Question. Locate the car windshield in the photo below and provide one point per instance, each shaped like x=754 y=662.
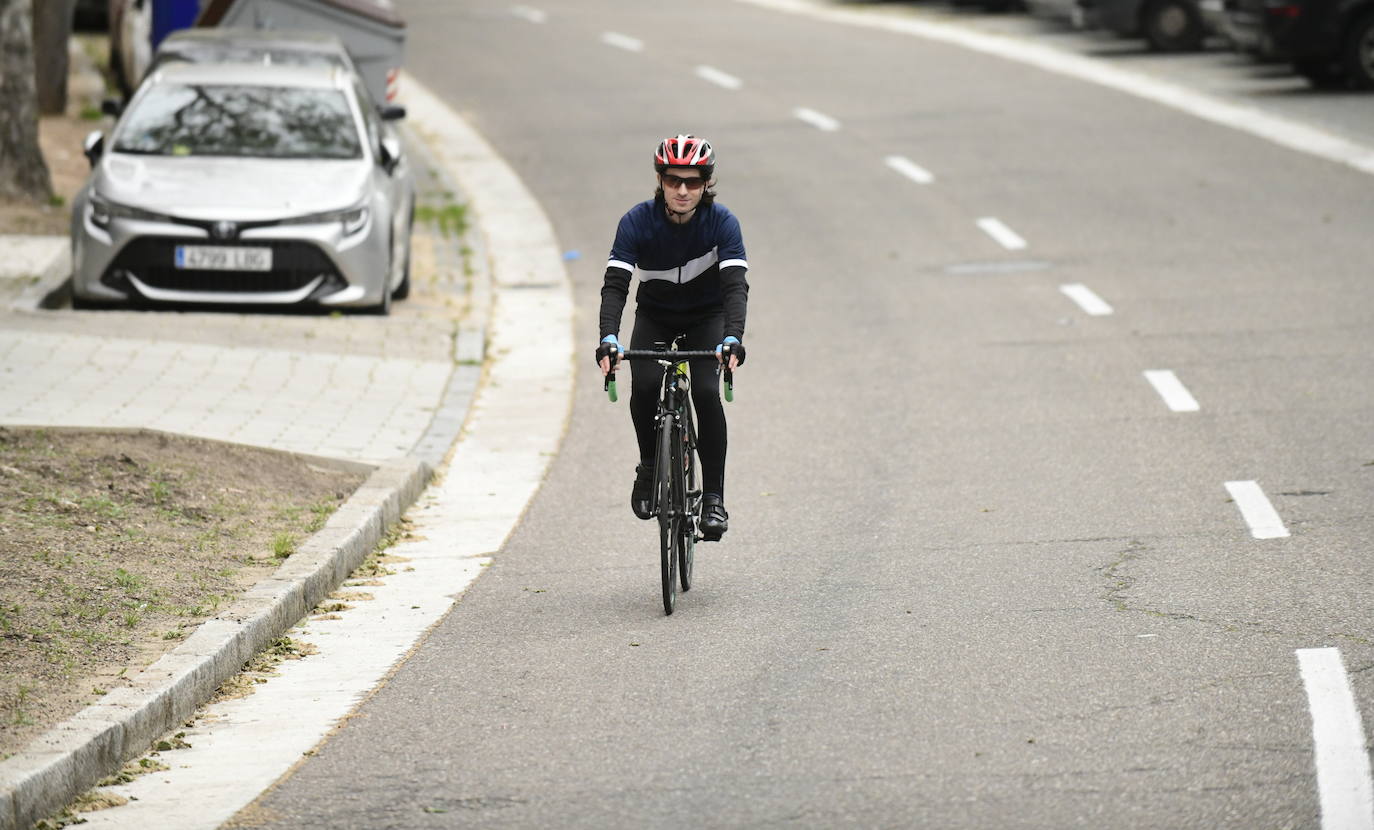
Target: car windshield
x=255 y=121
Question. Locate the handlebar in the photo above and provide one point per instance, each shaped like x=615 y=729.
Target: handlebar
x=672 y=357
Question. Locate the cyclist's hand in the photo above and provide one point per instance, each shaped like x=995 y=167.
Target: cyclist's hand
x=736 y=350
x=608 y=353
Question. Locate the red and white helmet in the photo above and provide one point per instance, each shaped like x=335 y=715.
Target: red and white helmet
x=685 y=151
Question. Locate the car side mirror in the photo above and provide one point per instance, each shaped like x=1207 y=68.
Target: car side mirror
x=391 y=153
x=391 y=112
x=111 y=106
x=94 y=146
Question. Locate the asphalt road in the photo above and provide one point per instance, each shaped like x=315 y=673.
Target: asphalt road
x=979 y=573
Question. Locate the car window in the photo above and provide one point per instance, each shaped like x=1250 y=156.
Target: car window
x=223 y=120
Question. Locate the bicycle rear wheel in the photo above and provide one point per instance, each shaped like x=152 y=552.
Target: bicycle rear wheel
x=668 y=516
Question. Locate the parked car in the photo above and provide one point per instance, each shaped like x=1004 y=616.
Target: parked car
x=1329 y=42
x=1058 y=10
x=245 y=184
x=131 y=45
x=1167 y=25
x=264 y=46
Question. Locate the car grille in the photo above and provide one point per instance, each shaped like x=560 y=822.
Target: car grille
x=152 y=260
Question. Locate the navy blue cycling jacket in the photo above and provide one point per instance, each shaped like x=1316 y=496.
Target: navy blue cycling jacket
x=698 y=266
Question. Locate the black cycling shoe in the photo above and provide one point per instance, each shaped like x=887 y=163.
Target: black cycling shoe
x=714 y=520
x=641 y=494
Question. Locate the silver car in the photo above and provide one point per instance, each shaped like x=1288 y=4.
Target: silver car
x=245 y=185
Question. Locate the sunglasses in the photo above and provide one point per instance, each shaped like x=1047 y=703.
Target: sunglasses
x=674 y=182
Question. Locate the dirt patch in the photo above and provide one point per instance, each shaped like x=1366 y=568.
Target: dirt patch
x=114 y=546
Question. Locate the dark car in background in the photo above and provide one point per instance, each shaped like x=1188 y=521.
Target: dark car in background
x=1168 y=25
x=1329 y=42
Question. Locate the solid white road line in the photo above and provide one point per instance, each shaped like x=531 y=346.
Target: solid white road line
x=1005 y=236
x=1086 y=299
x=530 y=14
x=719 y=78
x=629 y=44
x=818 y=120
x=910 y=169
x=1343 y=779
x=1255 y=508
x=1241 y=116
x=1172 y=390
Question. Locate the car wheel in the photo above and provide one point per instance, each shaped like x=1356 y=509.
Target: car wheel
x=1173 y=26
x=403 y=290
x=1359 y=53
x=383 y=308
x=1320 y=73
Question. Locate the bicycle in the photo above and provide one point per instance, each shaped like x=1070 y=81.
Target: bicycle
x=676 y=497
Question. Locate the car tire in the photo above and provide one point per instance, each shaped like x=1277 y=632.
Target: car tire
x=1173 y=26
x=1359 y=53
x=403 y=290
x=1321 y=73
x=383 y=308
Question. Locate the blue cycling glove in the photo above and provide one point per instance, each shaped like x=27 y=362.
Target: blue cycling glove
x=736 y=348
x=609 y=343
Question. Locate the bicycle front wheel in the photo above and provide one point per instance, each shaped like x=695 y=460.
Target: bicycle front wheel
x=691 y=505
x=668 y=516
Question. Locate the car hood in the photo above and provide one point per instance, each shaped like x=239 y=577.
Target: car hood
x=243 y=190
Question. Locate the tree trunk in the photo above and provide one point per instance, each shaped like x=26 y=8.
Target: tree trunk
x=52 y=29
x=23 y=173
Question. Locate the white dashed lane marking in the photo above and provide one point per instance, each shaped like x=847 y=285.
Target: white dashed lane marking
x=1176 y=396
x=819 y=120
x=1086 y=299
x=1005 y=236
x=1255 y=509
x=719 y=78
x=910 y=169
x=619 y=41
x=1338 y=742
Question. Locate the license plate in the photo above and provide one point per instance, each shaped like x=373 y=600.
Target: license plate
x=223 y=258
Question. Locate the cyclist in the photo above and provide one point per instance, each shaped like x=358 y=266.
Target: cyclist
x=690 y=257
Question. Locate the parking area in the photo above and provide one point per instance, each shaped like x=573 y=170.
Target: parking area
x=1216 y=68
x=342 y=385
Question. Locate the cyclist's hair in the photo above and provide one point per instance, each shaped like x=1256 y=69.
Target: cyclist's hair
x=708 y=195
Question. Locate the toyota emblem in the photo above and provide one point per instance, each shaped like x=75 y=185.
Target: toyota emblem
x=224 y=230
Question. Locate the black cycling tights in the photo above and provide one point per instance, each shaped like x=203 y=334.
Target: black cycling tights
x=699 y=330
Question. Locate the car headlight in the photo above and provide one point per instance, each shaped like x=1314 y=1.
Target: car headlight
x=353 y=219
x=103 y=211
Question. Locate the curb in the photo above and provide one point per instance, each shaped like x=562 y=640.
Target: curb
x=70 y=758
x=51 y=284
